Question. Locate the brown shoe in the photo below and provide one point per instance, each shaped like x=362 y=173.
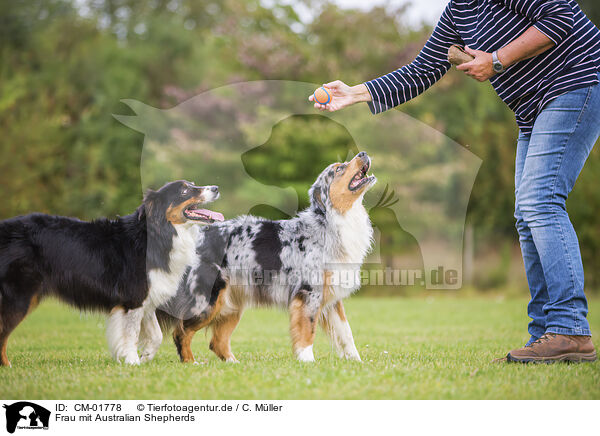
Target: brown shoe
x=552 y=347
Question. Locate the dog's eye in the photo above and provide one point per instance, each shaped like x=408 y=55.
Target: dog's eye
x=340 y=169
x=185 y=191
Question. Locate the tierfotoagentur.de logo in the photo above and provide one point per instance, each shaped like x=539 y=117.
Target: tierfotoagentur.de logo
x=24 y=415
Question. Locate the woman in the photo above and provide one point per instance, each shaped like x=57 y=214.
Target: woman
x=543 y=59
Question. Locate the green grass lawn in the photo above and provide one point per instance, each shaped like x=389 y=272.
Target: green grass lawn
x=435 y=348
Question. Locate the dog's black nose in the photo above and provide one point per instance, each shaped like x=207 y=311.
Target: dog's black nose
x=214 y=188
x=362 y=154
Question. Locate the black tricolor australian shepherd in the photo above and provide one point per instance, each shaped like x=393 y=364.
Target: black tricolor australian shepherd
x=307 y=264
x=127 y=266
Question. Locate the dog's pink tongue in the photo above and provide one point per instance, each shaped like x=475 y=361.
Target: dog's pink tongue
x=216 y=216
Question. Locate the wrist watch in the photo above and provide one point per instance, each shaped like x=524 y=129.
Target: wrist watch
x=496 y=64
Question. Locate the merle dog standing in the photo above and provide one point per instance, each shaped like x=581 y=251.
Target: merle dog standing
x=294 y=264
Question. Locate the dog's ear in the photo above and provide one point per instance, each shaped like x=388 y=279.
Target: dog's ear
x=159 y=230
x=317 y=200
x=155 y=208
x=149 y=200
x=150 y=195
x=141 y=212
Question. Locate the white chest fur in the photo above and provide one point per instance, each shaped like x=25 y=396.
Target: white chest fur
x=164 y=284
x=352 y=242
x=354 y=233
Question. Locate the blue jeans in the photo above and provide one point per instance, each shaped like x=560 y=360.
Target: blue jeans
x=548 y=162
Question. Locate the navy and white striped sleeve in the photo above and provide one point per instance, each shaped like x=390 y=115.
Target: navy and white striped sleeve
x=428 y=67
x=554 y=18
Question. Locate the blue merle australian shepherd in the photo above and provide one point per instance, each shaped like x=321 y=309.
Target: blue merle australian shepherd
x=127 y=267
x=294 y=264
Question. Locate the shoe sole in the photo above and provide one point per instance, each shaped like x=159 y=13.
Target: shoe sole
x=568 y=357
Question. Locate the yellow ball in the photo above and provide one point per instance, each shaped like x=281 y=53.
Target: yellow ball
x=322 y=96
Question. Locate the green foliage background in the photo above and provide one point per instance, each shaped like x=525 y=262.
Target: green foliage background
x=65 y=65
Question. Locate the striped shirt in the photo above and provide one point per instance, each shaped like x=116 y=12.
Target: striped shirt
x=488 y=25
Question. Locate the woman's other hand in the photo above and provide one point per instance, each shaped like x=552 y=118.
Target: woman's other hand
x=342 y=96
x=481 y=68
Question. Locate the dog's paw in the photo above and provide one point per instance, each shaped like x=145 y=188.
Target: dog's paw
x=305 y=354
x=352 y=355
x=146 y=358
x=132 y=360
x=232 y=359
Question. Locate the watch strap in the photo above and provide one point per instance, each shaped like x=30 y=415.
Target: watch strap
x=497 y=65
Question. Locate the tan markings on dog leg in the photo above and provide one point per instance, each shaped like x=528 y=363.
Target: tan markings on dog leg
x=339 y=308
x=302 y=330
x=329 y=317
x=8 y=325
x=327 y=288
x=325 y=323
x=175 y=215
x=336 y=326
x=183 y=344
x=190 y=327
x=3 y=355
x=220 y=343
x=35 y=301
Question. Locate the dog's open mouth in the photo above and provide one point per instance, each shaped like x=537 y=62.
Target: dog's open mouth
x=208 y=216
x=360 y=178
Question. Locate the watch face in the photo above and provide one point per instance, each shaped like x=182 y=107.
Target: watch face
x=498 y=68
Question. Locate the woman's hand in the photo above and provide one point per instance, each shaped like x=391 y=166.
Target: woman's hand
x=481 y=68
x=342 y=96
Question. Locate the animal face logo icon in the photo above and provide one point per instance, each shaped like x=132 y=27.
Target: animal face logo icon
x=26 y=415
